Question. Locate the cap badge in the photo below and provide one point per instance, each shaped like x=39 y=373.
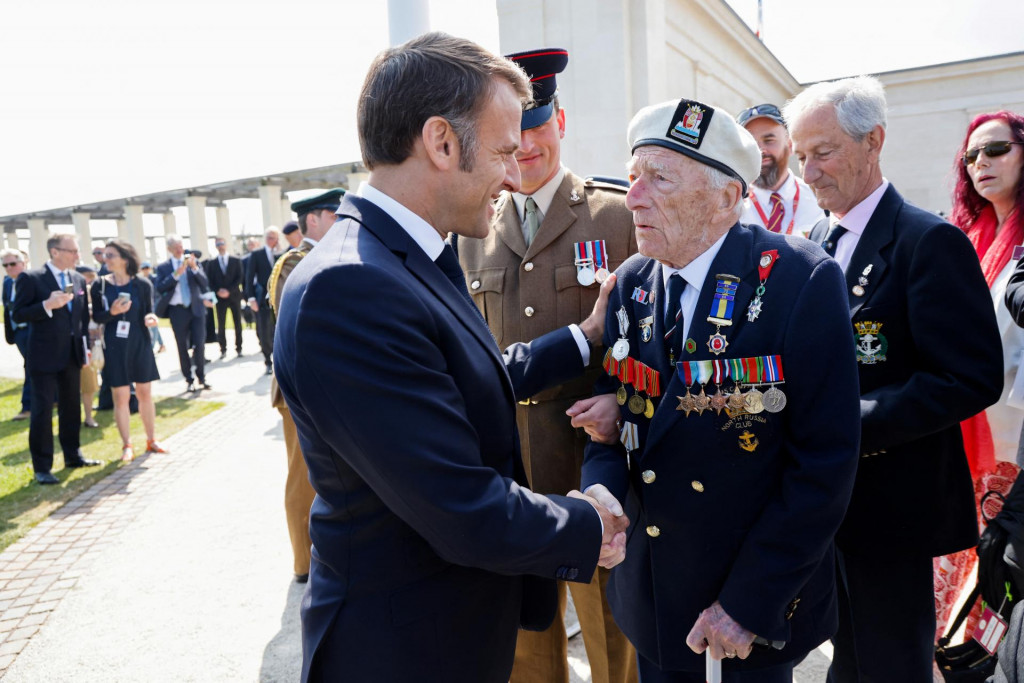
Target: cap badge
x=691 y=122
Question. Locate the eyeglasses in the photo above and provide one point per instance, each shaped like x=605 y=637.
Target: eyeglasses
x=991 y=150
x=769 y=110
x=11 y=264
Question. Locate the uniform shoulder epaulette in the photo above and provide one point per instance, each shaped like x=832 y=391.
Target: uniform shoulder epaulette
x=293 y=256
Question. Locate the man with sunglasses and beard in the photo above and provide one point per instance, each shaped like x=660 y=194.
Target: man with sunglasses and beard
x=778 y=200
x=928 y=351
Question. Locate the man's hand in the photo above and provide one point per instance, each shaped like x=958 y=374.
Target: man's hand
x=593 y=326
x=207 y=303
x=718 y=631
x=223 y=293
x=253 y=305
x=180 y=270
x=57 y=299
x=598 y=416
x=613 y=542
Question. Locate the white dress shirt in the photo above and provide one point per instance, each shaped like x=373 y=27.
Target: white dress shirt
x=694 y=273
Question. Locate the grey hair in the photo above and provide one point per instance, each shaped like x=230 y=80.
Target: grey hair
x=16 y=253
x=859 y=104
x=718 y=181
x=173 y=239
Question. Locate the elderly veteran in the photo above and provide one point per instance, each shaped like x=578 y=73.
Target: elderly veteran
x=929 y=356
x=732 y=360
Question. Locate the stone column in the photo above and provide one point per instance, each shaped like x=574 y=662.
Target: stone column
x=197 y=224
x=224 y=224
x=407 y=19
x=38 y=233
x=134 y=230
x=81 y=221
x=12 y=239
x=170 y=227
x=270 y=198
x=286 y=211
x=353 y=180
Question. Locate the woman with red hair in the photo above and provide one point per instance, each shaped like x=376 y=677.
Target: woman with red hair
x=988 y=204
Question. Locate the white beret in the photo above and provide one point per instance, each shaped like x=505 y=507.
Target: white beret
x=700 y=131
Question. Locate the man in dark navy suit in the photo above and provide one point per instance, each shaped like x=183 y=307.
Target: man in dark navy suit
x=13 y=261
x=180 y=285
x=53 y=301
x=224 y=273
x=733 y=362
x=257 y=271
x=928 y=351
x=428 y=550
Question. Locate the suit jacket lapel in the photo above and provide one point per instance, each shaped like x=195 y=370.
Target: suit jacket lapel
x=878 y=234
x=560 y=215
x=392 y=235
x=736 y=257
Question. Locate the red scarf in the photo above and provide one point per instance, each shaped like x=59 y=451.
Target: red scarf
x=994 y=250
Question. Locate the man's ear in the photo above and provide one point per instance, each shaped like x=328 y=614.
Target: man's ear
x=440 y=144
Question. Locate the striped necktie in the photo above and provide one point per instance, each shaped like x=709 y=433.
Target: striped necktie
x=777 y=212
x=674 y=317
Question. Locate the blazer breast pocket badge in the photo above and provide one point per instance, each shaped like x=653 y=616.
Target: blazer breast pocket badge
x=872 y=345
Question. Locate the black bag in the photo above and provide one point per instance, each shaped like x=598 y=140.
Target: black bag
x=968 y=662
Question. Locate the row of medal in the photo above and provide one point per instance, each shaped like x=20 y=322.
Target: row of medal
x=643 y=378
x=749 y=373
x=591 y=262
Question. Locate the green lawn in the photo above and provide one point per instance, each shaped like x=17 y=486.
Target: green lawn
x=23 y=503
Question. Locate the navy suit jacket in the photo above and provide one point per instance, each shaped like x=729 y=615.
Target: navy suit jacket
x=943 y=363
x=8 y=325
x=54 y=339
x=165 y=285
x=752 y=529
x=422 y=526
x=231 y=279
x=257 y=272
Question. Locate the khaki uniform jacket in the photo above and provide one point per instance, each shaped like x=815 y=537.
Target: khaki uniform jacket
x=524 y=293
x=275 y=284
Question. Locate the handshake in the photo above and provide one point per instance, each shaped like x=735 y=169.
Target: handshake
x=613 y=542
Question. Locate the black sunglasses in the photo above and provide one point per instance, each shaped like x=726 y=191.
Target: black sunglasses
x=11 y=264
x=760 y=110
x=991 y=150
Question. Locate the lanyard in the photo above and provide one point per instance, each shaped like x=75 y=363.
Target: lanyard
x=764 y=218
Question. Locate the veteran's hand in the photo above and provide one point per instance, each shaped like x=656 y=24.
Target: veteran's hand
x=717 y=631
x=613 y=542
x=593 y=326
x=598 y=416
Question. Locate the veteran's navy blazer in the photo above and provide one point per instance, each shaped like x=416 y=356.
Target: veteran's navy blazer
x=943 y=363
x=712 y=520
x=422 y=525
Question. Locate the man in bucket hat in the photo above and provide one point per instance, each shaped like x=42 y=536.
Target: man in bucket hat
x=733 y=364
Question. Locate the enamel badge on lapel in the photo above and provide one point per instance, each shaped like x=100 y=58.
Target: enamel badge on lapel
x=574 y=196
x=639 y=295
x=721 y=311
x=646 y=328
x=764 y=269
x=862 y=281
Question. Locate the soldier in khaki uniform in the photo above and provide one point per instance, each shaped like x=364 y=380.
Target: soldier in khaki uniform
x=316 y=216
x=527 y=279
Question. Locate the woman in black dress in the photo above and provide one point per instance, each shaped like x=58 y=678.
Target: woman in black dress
x=123 y=304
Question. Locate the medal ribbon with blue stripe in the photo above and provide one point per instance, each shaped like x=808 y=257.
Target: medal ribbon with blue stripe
x=725 y=299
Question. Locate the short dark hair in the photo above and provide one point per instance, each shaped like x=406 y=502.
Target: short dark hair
x=53 y=242
x=128 y=253
x=433 y=75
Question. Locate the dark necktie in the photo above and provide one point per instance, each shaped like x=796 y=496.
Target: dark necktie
x=832 y=241
x=674 y=318
x=448 y=262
